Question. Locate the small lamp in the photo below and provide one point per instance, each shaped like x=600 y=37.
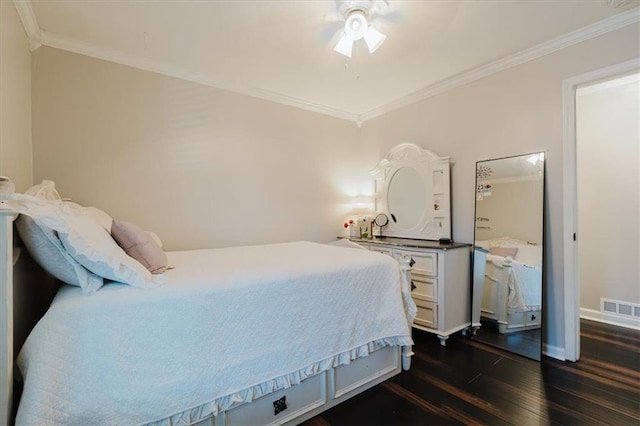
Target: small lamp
x=361 y=207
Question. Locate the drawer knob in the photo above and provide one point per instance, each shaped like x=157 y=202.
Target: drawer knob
x=279 y=405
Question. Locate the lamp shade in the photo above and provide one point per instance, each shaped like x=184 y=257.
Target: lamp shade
x=374 y=39
x=344 y=46
x=361 y=206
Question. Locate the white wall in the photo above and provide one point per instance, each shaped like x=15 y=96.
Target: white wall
x=15 y=99
x=608 y=139
x=514 y=209
x=513 y=112
x=200 y=166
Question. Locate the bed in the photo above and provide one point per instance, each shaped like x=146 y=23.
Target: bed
x=512 y=290
x=269 y=334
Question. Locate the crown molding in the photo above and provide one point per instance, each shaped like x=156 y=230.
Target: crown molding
x=599 y=28
x=29 y=22
x=38 y=37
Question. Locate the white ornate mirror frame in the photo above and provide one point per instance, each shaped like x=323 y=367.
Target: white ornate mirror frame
x=434 y=221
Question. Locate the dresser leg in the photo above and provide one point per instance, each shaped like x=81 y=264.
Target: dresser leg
x=443 y=340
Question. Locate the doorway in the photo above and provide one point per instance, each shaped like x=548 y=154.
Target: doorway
x=575 y=91
x=607 y=136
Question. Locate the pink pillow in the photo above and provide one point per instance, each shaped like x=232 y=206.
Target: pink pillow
x=138 y=244
x=504 y=251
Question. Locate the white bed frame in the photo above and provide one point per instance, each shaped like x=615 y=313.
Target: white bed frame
x=494 y=303
x=311 y=397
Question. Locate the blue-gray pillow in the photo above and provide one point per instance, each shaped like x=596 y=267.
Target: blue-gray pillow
x=47 y=250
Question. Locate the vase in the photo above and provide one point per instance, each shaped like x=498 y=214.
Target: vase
x=354 y=232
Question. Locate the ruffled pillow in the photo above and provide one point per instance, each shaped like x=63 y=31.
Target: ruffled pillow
x=86 y=241
x=140 y=245
x=47 y=250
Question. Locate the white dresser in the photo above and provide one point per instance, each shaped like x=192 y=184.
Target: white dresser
x=441 y=281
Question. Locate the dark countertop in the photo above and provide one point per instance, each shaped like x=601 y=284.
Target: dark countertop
x=409 y=242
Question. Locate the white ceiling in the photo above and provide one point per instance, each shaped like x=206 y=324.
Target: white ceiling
x=282 y=50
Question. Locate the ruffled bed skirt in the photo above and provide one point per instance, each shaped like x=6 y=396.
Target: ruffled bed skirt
x=224 y=403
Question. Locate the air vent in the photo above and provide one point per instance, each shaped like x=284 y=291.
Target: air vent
x=625 y=309
x=620 y=308
x=609 y=307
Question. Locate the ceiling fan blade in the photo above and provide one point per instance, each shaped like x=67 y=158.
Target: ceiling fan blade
x=330 y=30
x=380 y=7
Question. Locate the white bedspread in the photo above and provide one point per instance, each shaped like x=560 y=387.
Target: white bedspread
x=525 y=284
x=230 y=325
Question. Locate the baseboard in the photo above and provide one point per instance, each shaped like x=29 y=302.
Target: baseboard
x=553 y=352
x=617 y=320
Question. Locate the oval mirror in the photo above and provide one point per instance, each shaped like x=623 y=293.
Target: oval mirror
x=407 y=198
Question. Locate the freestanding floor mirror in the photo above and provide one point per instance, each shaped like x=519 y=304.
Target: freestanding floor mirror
x=508 y=253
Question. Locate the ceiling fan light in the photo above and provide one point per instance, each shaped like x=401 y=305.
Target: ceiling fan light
x=374 y=39
x=356 y=25
x=344 y=46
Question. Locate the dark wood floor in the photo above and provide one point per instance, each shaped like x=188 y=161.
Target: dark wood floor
x=526 y=343
x=471 y=383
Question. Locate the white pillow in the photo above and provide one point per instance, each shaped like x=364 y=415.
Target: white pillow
x=45 y=190
x=100 y=217
x=86 y=241
x=92 y=246
x=530 y=255
x=506 y=242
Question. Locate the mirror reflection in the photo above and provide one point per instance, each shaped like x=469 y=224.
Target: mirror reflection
x=508 y=262
x=407 y=197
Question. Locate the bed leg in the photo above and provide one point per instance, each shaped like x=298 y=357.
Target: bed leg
x=503 y=327
x=407 y=353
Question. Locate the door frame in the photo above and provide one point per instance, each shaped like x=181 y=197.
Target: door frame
x=570 y=198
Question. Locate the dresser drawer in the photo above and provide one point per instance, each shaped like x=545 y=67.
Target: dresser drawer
x=426 y=262
x=533 y=318
x=426 y=288
x=427 y=314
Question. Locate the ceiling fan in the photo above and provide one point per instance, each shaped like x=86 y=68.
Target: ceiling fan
x=356 y=25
